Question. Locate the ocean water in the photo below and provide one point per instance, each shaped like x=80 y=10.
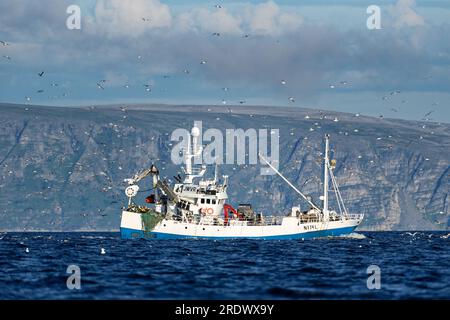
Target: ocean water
x=412 y=266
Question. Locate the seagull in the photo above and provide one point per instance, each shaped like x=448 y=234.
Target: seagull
x=27 y=250
x=217 y=34
x=102 y=251
x=246 y=35
x=186 y=71
x=100 y=86
x=291 y=99
x=3 y=43
x=40 y=74
x=147 y=87
x=283 y=81
x=427 y=114
x=28 y=98
x=203 y=62
x=241 y=102
x=54 y=84
x=225 y=89
x=412 y=234
x=146 y=19
x=40 y=91
x=332 y=86
x=7 y=57
x=217 y=6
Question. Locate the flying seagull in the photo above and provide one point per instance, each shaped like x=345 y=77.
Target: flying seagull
x=100 y=86
x=40 y=74
x=3 y=43
x=427 y=114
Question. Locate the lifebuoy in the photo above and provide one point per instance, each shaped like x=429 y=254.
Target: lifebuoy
x=207 y=210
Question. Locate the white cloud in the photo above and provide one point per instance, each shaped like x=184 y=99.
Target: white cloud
x=261 y=19
x=268 y=19
x=404 y=14
x=122 y=18
x=203 y=20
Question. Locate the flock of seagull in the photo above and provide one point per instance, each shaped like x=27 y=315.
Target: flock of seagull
x=101 y=84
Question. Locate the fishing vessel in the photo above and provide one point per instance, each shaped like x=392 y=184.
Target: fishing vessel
x=197 y=207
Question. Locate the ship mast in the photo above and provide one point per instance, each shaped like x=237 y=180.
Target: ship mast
x=326 y=178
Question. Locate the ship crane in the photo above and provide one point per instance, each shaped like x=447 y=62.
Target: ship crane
x=132 y=189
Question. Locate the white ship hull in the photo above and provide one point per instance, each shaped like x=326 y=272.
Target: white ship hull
x=290 y=228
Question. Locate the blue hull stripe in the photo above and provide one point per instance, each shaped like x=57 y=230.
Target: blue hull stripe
x=139 y=234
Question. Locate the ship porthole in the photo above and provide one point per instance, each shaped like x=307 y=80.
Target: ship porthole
x=185 y=227
x=164 y=225
x=203 y=228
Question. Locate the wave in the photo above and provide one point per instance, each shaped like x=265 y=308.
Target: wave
x=353 y=235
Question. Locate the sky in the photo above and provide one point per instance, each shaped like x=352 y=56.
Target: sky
x=316 y=54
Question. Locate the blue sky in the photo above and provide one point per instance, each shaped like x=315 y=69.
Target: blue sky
x=316 y=54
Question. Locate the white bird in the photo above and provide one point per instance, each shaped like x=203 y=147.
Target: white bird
x=203 y=62
x=217 y=6
x=283 y=81
x=446 y=236
x=27 y=250
x=412 y=234
x=7 y=57
x=291 y=99
x=102 y=251
x=3 y=43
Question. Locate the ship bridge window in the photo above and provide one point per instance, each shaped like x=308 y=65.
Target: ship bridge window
x=208 y=201
x=213 y=201
x=202 y=200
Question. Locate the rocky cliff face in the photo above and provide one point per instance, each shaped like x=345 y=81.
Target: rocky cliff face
x=62 y=169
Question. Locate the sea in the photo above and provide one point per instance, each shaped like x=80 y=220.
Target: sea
x=363 y=265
